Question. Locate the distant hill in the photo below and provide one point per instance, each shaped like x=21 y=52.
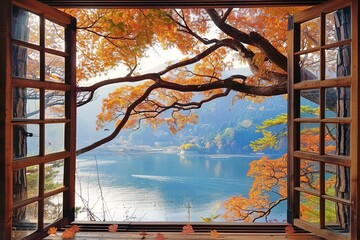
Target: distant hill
x=222 y=127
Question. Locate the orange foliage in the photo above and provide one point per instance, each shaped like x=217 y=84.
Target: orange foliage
x=187 y=229
x=159 y=236
x=270 y=175
x=214 y=234
x=108 y=38
x=113 y=228
x=52 y=230
x=68 y=233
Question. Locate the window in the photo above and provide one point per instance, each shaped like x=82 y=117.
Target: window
x=321 y=150
x=41 y=120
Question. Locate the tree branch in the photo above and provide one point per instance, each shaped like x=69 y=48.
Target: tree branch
x=253 y=39
x=121 y=124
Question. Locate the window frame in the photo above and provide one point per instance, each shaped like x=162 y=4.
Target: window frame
x=294 y=120
x=7 y=164
x=6 y=88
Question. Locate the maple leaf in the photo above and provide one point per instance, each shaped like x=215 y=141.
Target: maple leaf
x=52 y=230
x=289 y=229
x=187 y=229
x=68 y=233
x=113 y=228
x=214 y=234
x=75 y=228
x=159 y=236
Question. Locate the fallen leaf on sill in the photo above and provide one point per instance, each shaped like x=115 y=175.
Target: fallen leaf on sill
x=52 y=230
x=187 y=229
x=113 y=228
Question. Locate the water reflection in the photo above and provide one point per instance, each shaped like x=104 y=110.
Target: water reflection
x=156 y=187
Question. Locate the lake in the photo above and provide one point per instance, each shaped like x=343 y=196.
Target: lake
x=159 y=186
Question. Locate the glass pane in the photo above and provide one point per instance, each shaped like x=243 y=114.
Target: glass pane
x=337 y=139
x=310 y=66
x=309 y=137
x=310 y=34
x=54 y=137
x=54 y=104
x=337 y=102
x=54 y=68
x=25 y=221
x=25 y=183
x=25 y=140
x=26 y=103
x=54 y=175
x=337 y=62
x=309 y=175
x=25 y=26
x=309 y=208
x=337 y=217
x=53 y=208
x=25 y=62
x=337 y=181
x=338 y=25
x=309 y=103
x=54 y=36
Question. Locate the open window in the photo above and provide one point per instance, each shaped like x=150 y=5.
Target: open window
x=323 y=120
x=37 y=131
x=39 y=122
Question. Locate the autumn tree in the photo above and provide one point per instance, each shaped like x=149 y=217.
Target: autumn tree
x=269 y=187
x=211 y=42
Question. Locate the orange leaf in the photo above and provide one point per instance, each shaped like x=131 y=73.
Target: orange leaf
x=187 y=229
x=214 y=234
x=68 y=233
x=113 y=228
x=289 y=229
x=159 y=236
x=52 y=230
x=75 y=228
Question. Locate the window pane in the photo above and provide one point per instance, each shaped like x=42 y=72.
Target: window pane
x=26 y=103
x=337 y=139
x=25 y=62
x=309 y=137
x=309 y=103
x=337 y=181
x=310 y=34
x=309 y=175
x=25 y=140
x=53 y=208
x=338 y=25
x=309 y=66
x=337 y=102
x=25 y=183
x=25 y=26
x=54 y=137
x=337 y=217
x=54 y=68
x=54 y=36
x=25 y=221
x=338 y=61
x=54 y=175
x=309 y=208
x=54 y=104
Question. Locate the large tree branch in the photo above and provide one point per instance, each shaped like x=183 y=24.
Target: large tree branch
x=121 y=124
x=253 y=39
x=153 y=76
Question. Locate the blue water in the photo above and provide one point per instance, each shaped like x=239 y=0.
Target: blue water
x=159 y=186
